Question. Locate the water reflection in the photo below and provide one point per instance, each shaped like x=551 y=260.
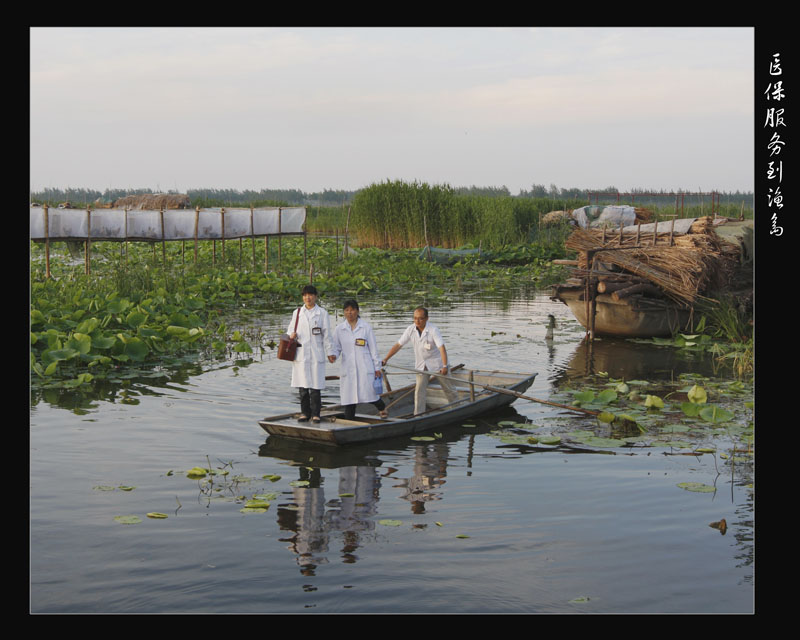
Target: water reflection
x=427 y=478
x=623 y=359
x=314 y=517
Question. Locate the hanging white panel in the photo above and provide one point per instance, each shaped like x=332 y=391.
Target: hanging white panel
x=179 y=224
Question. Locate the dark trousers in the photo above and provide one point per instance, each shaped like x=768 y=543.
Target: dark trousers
x=310 y=402
x=350 y=409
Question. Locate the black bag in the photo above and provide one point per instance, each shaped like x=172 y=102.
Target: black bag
x=287 y=347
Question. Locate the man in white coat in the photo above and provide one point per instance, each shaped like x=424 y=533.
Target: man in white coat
x=308 y=367
x=360 y=371
x=430 y=354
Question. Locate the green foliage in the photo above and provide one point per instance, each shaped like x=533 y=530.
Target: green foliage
x=134 y=310
x=400 y=214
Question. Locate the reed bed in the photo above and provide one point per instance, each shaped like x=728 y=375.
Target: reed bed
x=399 y=215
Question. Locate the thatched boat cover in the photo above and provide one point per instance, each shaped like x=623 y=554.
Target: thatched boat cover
x=685 y=264
x=117 y=224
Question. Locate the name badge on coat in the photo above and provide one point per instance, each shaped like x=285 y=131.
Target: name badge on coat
x=316 y=331
x=361 y=342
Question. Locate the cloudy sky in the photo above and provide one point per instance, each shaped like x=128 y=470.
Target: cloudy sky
x=331 y=108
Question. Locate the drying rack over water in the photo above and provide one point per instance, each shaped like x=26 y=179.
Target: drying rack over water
x=138 y=225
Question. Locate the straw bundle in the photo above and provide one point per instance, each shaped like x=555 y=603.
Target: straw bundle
x=696 y=264
x=154 y=201
x=557 y=217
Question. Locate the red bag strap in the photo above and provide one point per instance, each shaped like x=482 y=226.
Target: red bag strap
x=297 y=319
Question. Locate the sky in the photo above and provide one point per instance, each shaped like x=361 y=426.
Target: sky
x=342 y=108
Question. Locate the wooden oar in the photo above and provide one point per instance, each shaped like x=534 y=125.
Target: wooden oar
x=502 y=390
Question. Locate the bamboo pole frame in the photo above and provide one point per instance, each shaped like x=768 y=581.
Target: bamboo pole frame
x=46 y=242
x=88 y=244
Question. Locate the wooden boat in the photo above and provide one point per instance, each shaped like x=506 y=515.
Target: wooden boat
x=473 y=399
x=627 y=317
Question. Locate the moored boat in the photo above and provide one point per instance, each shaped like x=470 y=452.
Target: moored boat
x=478 y=392
x=637 y=317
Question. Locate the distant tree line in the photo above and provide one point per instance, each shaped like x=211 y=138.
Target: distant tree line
x=340 y=197
x=201 y=197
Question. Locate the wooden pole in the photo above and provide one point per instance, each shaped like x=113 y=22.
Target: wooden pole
x=222 y=214
x=163 y=240
x=87 y=246
x=280 y=261
x=252 y=237
x=505 y=391
x=46 y=242
x=125 y=209
x=346 y=233
x=266 y=253
x=593 y=294
x=196 y=223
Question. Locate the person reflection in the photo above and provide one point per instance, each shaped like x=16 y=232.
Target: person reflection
x=359 y=488
x=430 y=467
x=306 y=519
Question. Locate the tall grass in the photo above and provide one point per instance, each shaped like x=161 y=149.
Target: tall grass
x=400 y=214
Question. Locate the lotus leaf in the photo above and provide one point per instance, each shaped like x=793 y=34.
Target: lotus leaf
x=606 y=396
x=690 y=409
x=653 y=402
x=257 y=504
x=697 y=395
x=390 y=523
x=597 y=441
x=715 y=414
x=128 y=519
x=157 y=516
x=697 y=487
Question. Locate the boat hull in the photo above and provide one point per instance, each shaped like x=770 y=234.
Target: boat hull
x=367 y=426
x=623 y=318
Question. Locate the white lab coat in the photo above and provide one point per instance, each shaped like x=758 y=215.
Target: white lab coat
x=360 y=361
x=426 y=346
x=308 y=368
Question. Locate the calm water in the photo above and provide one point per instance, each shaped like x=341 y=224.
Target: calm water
x=549 y=531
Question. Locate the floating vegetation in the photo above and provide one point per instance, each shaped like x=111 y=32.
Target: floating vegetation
x=157 y=516
x=146 y=319
x=697 y=487
x=672 y=415
x=390 y=523
x=130 y=519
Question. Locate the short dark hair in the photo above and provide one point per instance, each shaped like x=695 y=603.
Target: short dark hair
x=350 y=303
x=423 y=309
x=310 y=288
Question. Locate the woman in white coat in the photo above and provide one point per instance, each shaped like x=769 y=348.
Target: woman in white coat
x=354 y=340
x=308 y=368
